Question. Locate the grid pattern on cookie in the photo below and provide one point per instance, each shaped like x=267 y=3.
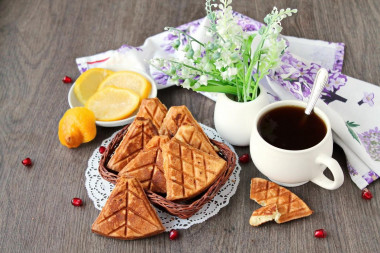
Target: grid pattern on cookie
x=153 y=110
x=133 y=142
x=128 y=212
x=176 y=122
x=147 y=168
x=189 y=170
x=176 y=117
x=149 y=158
x=192 y=136
x=268 y=210
x=288 y=204
x=157 y=142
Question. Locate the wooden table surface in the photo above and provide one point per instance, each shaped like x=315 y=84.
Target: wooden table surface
x=39 y=41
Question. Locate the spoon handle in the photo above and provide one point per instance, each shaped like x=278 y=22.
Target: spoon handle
x=319 y=83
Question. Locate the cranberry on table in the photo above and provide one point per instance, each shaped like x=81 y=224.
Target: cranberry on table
x=102 y=149
x=67 y=79
x=27 y=162
x=366 y=194
x=320 y=233
x=244 y=158
x=76 y=202
x=173 y=234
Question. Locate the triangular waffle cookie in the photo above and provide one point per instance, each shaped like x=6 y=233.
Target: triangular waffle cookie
x=289 y=205
x=153 y=109
x=138 y=135
x=191 y=135
x=176 y=117
x=264 y=214
x=128 y=214
x=189 y=171
x=147 y=166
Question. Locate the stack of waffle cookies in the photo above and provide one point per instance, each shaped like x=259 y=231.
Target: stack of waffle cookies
x=166 y=152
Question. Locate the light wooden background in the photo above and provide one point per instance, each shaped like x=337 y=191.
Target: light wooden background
x=39 y=41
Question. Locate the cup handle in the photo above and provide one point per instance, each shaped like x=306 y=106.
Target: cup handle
x=336 y=170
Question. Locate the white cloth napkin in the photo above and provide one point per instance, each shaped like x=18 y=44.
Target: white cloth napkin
x=353 y=106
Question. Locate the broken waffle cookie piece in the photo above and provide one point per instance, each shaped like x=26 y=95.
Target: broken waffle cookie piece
x=138 y=135
x=147 y=166
x=127 y=213
x=264 y=214
x=188 y=170
x=153 y=109
x=289 y=206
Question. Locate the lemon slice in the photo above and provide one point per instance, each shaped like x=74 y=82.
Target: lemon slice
x=128 y=80
x=87 y=84
x=112 y=103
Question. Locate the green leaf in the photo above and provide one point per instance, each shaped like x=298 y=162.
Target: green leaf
x=349 y=126
x=216 y=88
x=353 y=134
x=248 y=43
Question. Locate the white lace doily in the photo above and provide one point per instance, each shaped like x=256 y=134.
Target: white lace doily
x=99 y=189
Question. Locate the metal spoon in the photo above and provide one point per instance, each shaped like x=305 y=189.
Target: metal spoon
x=320 y=82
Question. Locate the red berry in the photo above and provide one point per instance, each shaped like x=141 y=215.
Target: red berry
x=320 y=233
x=102 y=149
x=67 y=79
x=366 y=194
x=27 y=162
x=244 y=158
x=76 y=202
x=173 y=234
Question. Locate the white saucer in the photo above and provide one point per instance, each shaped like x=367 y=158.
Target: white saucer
x=74 y=102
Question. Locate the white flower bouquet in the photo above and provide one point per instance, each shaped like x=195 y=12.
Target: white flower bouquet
x=232 y=61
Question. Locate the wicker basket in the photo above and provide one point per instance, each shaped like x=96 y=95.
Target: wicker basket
x=182 y=210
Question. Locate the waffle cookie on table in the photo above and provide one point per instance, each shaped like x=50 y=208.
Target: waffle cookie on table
x=264 y=214
x=139 y=134
x=288 y=205
x=147 y=166
x=188 y=170
x=128 y=213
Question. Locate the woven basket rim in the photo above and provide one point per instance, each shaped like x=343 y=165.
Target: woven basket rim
x=181 y=210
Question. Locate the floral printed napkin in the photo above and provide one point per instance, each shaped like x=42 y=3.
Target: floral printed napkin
x=353 y=106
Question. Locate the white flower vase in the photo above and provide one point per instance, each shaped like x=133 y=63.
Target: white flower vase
x=233 y=120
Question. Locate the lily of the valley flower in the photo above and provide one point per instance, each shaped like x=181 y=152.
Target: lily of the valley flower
x=231 y=61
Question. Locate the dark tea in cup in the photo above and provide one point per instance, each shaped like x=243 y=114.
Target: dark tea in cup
x=288 y=127
x=291 y=148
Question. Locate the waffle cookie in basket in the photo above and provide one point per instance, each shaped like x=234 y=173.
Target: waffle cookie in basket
x=147 y=166
x=128 y=213
x=188 y=170
x=176 y=117
x=153 y=109
x=180 y=174
x=139 y=134
x=288 y=205
x=191 y=135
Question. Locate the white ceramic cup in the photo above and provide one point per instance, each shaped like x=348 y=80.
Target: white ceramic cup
x=296 y=167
